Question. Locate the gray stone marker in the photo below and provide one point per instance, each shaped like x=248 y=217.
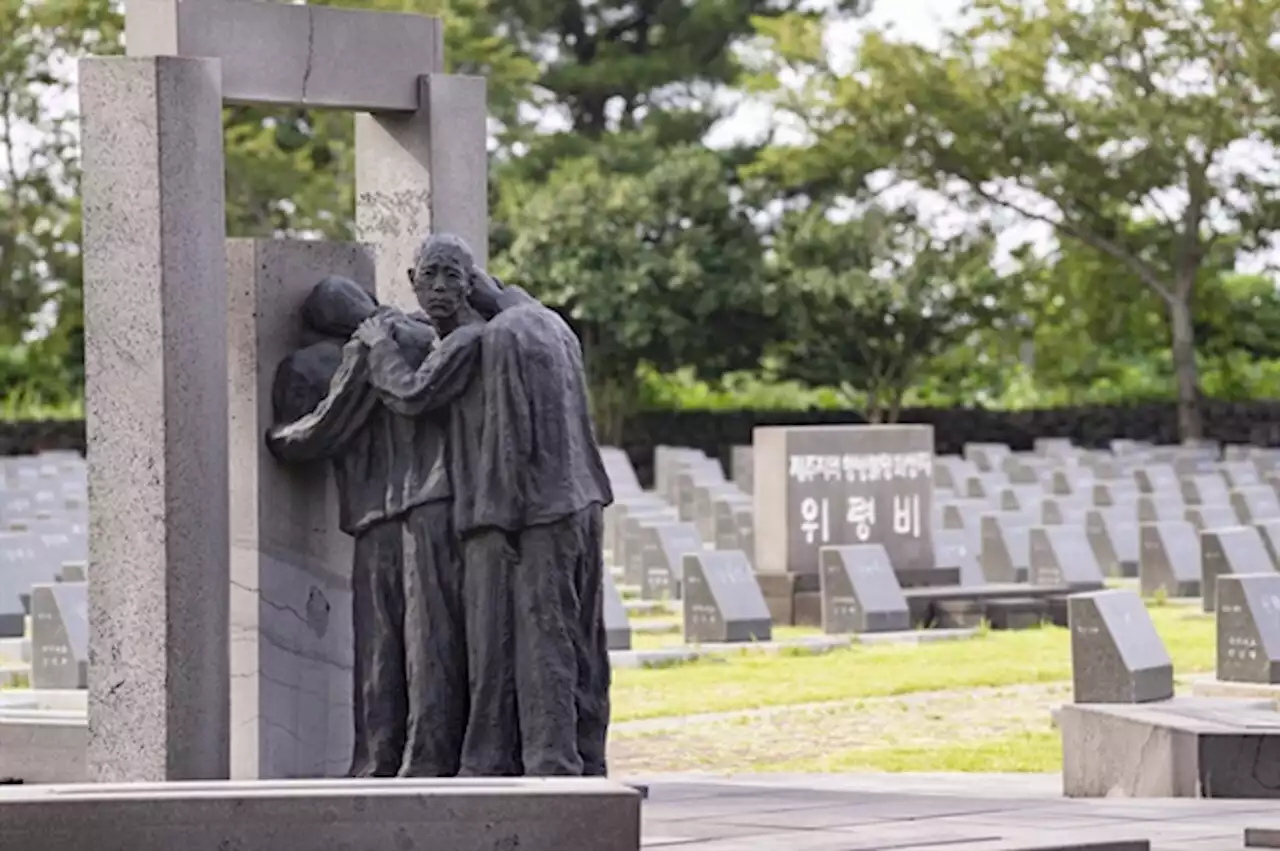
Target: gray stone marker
x=60 y=636
x=1116 y=654
x=1270 y=531
x=1235 y=550
x=1006 y=547
x=1249 y=628
x=155 y=271
x=630 y=552
x=622 y=476
x=742 y=468
x=1166 y=506
x=726 y=528
x=663 y=547
x=1255 y=503
x=687 y=483
x=1061 y=512
x=986 y=456
x=1169 y=560
x=1114 y=536
x=1205 y=489
x=705 y=499
x=21 y=566
x=617 y=624
x=1241 y=473
x=1115 y=493
x=615 y=520
x=1216 y=516
x=822 y=486
x=1063 y=556
x=951 y=470
x=860 y=591
x=959 y=549
x=722 y=600
x=1021 y=497
x=1158 y=479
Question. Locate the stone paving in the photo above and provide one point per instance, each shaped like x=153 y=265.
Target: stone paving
x=927 y=812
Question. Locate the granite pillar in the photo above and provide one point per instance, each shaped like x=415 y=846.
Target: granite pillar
x=156 y=418
x=291 y=634
x=423 y=172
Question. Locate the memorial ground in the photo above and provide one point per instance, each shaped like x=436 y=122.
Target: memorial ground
x=969 y=706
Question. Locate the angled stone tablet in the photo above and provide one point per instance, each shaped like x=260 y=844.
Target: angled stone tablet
x=742 y=468
x=617 y=625
x=1255 y=503
x=688 y=481
x=705 y=498
x=1249 y=628
x=24 y=562
x=1215 y=516
x=1205 y=489
x=722 y=600
x=622 y=476
x=959 y=549
x=1116 y=654
x=1006 y=549
x=1169 y=560
x=1167 y=505
x=1121 y=492
x=1157 y=478
x=986 y=456
x=1241 y=473
x=964 y=514
x=662 y=550
x=1270 y=531
x=951 y=470
x=1063 y=511
x=1237 y=550
x=60 y=636
x=630 y=552
x=860 y=592
x=1063 y=556
x=615 y=517
x=1021 y=497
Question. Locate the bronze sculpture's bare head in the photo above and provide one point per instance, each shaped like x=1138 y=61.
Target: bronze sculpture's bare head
x=442 y=277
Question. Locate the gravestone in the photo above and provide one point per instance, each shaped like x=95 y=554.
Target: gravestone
x=951 y=470
x=1006 y=547
x=1060 y=512
x=20 y=568
x=1165 y=506
x=60 y=636
x=959 y=549
x=705 y=498
x=1214 y=516
x=615 y=519
x=1249 y=628
x=687 y=482
x=722 y=600
x=663 y=547
x=819 y=486
x=1234 y=550
x=617 y=625
x=1020 y=497
x=965 y=514
x=1121 y=492
x=1169 y=561
x=1063 y=556
x=1241 y=473
x=622 y=476
x=1270 y=531
x=630 y=552
x=1116 y=654
x=1113 y=533
x=986 y=456
x=742 y=468
x=1205 y=489
x=1255 y=503
x=860 y=591
x=745 y=517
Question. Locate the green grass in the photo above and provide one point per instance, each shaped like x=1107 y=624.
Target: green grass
x=996 y=658
x=1031 y=751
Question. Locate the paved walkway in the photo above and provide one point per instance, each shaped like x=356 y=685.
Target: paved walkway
x=926 y=812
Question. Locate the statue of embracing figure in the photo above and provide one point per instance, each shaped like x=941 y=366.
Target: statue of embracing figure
x=493 y=471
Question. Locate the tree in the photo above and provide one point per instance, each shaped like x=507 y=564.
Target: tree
x=873 y=299
x=658 y=266
x=1085 y=116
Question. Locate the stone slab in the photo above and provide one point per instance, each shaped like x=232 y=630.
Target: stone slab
x=156 y=417
x=1169 y=560
x=60 y=636
x=722 y=600
x=1230 y=550
x=1183 y=747
x=860 y=592
x=43 y=746
x=361 y=815
x=1208 y=686
x=1116 y=654
x=1262 y=837
x=1248 y=627
x=286 y=55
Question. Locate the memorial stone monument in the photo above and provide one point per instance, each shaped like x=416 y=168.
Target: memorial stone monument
x=1116 y=654
x=60 y=636
x=1236 y=549
x=165 y=413
x=1169 y=560
x=722 y=601
x=860 y=592
x=1249 y=628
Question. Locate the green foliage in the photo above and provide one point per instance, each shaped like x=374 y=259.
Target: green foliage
x=656 y=266
x=872 y=300
x=734 y=391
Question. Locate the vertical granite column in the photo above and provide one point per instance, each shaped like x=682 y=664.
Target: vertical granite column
x=156 y=411
x=423 y=172
x=291 y=638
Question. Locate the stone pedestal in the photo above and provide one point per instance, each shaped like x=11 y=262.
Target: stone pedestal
x=156 y=417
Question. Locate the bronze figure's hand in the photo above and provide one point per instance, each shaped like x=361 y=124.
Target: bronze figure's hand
x=372 y=331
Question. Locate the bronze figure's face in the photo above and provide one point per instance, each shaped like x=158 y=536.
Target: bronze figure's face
x=441 y=278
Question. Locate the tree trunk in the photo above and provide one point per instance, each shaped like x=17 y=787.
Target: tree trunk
x=1190 y=424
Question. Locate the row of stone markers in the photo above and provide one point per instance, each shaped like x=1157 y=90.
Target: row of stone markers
x=43 y=563
x=1127 y=734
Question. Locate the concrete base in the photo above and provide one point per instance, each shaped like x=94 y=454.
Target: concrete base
x=1180 y=748
x=43 y=746
x=60 y=700
x=323 y=815
x=1209 y=687
x=1261 y=837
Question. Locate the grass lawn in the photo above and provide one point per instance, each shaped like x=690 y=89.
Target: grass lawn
x=1027 y=751
x=996 y=658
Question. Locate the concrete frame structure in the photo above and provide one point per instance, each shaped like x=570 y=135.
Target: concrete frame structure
x=168 y=451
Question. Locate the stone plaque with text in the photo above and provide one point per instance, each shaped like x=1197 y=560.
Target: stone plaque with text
x=860 y=591
x=1061 y=556
x=1116 y=654
x=1169 y=559
x=1237 y=549
x=818 y=486
x=722 y=600
x=60 y=636
x=1249 y=628
x=662 y=551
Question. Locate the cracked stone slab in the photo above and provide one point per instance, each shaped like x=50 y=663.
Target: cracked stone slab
x=282 y=54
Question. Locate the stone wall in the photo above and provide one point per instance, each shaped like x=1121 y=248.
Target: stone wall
x=715 y=431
